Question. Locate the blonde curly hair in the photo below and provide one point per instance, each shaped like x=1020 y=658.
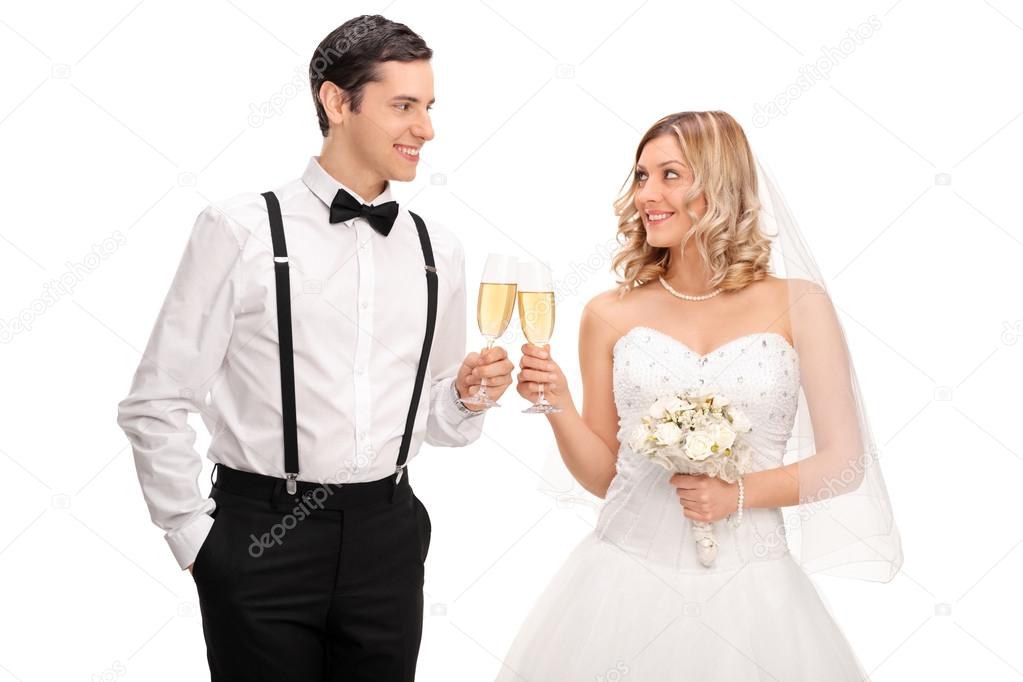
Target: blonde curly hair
x=728 y=235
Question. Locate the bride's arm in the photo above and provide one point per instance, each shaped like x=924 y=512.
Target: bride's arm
x=589 y=442
x=777 y=487
x=838 y=459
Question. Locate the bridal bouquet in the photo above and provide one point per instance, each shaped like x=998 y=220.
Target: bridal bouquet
x=696 y=432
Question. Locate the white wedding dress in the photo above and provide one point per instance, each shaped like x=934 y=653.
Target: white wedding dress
x=633 y=602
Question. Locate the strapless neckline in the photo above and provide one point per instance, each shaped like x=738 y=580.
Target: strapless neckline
x=706 y=355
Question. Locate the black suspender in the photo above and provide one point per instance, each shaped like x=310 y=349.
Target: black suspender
x=286 y=351
x=424 y=355
x=287 y=359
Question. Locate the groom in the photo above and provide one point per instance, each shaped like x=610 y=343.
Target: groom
x=304 y=324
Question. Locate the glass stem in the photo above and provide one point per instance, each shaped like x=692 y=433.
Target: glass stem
x=483 y=379
x=542 y=400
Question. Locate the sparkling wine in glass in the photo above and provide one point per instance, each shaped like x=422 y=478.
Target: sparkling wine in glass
x=494 y=307
x=536 y=315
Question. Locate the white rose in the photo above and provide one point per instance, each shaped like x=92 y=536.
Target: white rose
x=703 y=394
x=668 y=434
x=698 y=447
x=724 y=436
x=659 y=406
x=676 y=405
x=699 y=400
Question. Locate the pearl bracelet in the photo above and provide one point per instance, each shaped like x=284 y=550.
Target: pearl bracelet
x=738 y=515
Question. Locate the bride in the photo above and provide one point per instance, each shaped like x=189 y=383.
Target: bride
x=634 y=600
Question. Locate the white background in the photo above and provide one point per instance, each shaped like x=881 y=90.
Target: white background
x=120 y=121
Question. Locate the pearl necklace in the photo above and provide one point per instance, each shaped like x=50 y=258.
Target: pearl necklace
x=687 y=297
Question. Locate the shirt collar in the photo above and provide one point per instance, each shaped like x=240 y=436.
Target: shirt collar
x=325 y=186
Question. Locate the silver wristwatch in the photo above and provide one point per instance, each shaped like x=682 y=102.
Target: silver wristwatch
x=461 y=406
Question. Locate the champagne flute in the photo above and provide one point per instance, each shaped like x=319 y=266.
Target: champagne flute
x=536 y=314
x=494 y=307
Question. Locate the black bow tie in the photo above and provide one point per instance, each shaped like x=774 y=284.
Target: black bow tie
x=345 y=207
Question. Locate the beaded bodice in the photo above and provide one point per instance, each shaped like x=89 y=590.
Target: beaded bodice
x=759 y=372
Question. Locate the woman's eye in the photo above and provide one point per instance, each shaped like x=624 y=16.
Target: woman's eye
x=671 y=172
x=640 y=176
x=403 y=107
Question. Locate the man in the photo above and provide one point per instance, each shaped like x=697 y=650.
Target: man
x=304 y=324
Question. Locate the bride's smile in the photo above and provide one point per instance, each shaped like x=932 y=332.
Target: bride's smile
x=662 y=181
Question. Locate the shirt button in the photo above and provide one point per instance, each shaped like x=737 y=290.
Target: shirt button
x=365 y=304
x=363 y=435
x=360 y=371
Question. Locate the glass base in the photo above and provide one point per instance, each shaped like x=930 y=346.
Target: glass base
x=541 y=408
x=479 y=400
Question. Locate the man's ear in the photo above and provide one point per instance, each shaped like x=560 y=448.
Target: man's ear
x=335 y=103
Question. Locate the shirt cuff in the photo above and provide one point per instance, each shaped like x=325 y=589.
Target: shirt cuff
x=461 y=406
x=186 y=541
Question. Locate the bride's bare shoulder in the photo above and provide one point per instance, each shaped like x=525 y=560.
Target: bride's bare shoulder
x=793 y=292
x=605 y=301
x=608 y=315
x=597 y=315
x=796 y=284
x=610 y=305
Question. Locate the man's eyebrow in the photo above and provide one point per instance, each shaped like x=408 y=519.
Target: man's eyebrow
x=410 y=98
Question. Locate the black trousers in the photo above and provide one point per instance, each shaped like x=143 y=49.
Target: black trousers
x=299 y=592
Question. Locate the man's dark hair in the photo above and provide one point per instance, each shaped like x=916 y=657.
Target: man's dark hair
x=348 y=57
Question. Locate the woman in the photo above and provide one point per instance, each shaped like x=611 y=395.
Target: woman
x=634 y=600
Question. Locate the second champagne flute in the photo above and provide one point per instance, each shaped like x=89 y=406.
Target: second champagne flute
x=536 y=314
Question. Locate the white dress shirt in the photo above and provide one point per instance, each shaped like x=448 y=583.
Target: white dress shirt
x=358 y=320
